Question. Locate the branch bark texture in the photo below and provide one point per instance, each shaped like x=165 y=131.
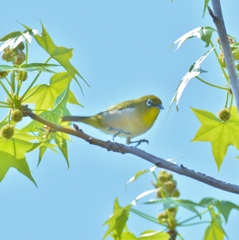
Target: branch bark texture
x=217 y=17
x=121 y=148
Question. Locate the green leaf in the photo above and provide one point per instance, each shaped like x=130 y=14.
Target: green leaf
x=215 y=230
x=12 y=154
x=205 y=7
x=128 y=236
x=140 y=173
x=203 y=33
x=117 y=220
x=72 y=99
x=13 y=39
x=23 y=135
x=60 y=54
x=54 y=117
x=44 y=95
x=194 y=71
x=45 y=144
x=175 y=202
x=154 y=235
x=224 y=207
x=220 y=134
x=42 y=151
x=29 y=67
x=62 y=145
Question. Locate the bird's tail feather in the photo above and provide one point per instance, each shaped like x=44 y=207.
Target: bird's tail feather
x=73 y=119
x=94 y=121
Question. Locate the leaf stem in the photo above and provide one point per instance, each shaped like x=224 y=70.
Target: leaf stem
x=189 y=219
x=30 y=86
x=145 y=216
x=13 y=81
x=210 y=84
x=5 y=103
x=19 y=84
x=26 y=52
x=1 y=106
x=5 y=89
x=8 y=81
x=218 y=59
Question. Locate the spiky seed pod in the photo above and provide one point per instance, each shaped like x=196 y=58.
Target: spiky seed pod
x=7 y=131
x=16 y=115
x=224 y=115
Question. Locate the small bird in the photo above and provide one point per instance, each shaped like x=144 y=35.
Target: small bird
x=127 y=119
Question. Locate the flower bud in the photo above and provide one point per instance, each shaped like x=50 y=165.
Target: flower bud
x=175 y=193
x=6 y=56
x=222 y=60
x=19 y=58
x=3 y=74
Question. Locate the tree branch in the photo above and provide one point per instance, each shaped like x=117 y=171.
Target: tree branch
x=121 y=148
x=217 y=17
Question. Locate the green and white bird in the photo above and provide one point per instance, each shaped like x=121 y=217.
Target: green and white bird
x=128 y=119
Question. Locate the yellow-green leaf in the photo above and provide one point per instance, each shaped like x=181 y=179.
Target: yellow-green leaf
x=60 y=54
x=72 y=99
x=44 y=95
x=154 y=235
x=219 y=134
x=214 y=231
x=62 y=145
x=12 y=154
x=117 y=220
x=128 y=236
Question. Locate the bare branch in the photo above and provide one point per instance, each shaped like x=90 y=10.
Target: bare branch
x=121 y=148
x=217 y=17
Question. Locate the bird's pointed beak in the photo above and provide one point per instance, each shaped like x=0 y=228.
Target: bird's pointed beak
x=159 y=106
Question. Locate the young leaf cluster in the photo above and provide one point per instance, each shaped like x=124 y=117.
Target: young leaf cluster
x=211 y=212
x=219 y=132
x=18 y=79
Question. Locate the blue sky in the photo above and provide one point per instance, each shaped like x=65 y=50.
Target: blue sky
x=122 y=48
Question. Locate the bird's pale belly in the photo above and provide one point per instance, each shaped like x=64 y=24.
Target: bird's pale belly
x=125 y=123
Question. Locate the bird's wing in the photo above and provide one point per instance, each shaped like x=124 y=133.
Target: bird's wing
x=121 y=106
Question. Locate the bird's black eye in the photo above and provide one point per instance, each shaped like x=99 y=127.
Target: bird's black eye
x=149 y=102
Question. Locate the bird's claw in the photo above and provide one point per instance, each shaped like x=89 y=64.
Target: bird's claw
x=138 y=142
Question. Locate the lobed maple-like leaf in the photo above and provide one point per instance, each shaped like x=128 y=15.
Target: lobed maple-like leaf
x=219 y=134
x=12 y=155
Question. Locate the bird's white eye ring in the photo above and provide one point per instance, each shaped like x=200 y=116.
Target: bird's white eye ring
x=149 y=102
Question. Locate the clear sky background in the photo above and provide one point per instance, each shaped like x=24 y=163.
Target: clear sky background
x=122 y=48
